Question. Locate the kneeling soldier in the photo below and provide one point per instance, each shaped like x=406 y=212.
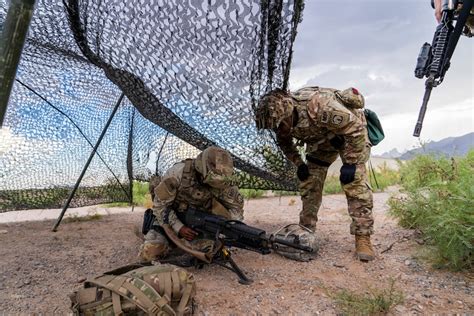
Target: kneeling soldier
x=201 y=183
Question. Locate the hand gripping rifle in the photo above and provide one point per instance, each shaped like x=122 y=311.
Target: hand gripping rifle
x=229 y=233
x=434 y=60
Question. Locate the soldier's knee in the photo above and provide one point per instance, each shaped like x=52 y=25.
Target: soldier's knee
x=150 y=251
x=155 y=246
x=347 y=173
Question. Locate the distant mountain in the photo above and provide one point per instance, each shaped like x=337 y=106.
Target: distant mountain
x=451 y=146
x=394 y=153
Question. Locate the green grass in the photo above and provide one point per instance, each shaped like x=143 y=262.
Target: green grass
x=332 y=185
x=252 y=193
x=373 y=302
x=438 y=199
x=140 y=193
x=385 y=177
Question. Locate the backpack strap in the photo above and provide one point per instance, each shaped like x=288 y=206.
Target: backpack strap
x=188 y=289
x=122 y=286
x=187 y=177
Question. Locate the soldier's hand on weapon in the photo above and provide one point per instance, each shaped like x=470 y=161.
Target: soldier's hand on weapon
x=187 y=233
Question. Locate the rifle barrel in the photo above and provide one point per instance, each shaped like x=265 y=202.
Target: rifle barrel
x=424 y=105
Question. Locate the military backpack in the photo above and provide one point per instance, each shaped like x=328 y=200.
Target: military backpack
x=137 y=290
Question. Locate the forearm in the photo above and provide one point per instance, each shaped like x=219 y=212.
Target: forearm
x=289 y=149
x=161 y=211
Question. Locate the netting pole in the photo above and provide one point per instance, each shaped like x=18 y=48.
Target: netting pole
x=159 y=153
x=130 y=157
x=71 y=195
x=15 y=28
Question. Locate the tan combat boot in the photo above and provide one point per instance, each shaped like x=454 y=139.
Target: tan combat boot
x=364 y=250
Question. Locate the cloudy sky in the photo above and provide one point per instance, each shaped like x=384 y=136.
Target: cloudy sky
x=373 y=45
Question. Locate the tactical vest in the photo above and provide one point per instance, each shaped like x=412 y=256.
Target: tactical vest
x=135 y=290
x=191 y=192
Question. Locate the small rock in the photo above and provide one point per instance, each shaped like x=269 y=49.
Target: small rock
x=407 y=262
x=81 y=279
x=338 y=265
x=3 y=231
x=26 y=282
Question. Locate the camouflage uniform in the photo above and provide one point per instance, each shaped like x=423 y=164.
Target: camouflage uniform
x=329 y=128
x=199 y=183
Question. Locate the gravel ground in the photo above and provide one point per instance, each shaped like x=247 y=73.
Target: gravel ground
x=39 y=268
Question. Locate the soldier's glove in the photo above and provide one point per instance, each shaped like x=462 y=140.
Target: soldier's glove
x=347 y=173
x=300 y=234
x=303 y=172
x=337 y=142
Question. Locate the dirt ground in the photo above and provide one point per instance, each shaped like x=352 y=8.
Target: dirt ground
x=38 y=268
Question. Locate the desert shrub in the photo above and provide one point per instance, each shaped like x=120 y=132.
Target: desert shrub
x=373 y=302
x=252 y=193
x=438 y=199
x=140 y=193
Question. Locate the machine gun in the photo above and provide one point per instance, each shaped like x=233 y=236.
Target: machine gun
x=434 y=60
x=226 y=234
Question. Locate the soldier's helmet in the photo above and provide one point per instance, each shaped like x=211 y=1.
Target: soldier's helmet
x=351 y=98
x=273 y=108
x=216 y=167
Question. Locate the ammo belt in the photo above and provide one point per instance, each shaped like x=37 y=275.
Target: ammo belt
x=317 y=161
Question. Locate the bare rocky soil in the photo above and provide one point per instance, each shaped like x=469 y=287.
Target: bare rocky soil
x=39 y=268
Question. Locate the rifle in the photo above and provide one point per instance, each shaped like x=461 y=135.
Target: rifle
x=434 y=60
x=229 y=233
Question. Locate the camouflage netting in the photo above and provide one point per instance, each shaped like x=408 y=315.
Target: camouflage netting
x=191 y=71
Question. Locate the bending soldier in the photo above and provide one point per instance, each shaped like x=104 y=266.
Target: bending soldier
x=330 y=123
x=202 y=183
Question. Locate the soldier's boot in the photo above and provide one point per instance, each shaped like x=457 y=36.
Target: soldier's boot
x=364 y=249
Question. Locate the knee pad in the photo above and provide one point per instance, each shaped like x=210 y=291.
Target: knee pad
x=347 y=173
x=150 y=251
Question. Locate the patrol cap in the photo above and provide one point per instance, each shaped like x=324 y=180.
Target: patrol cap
x=215 y=165
x=214 y=159
x=351 y=98
x=273 y=108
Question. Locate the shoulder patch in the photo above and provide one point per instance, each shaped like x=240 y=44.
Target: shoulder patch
x=324 y=118
x=339 y=119
x=233 y=194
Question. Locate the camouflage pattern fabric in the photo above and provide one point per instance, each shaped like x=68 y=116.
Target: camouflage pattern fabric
x=320 y=116
x=183 y=186
x=304 y=236
x=152 y=290
x=351 y=98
